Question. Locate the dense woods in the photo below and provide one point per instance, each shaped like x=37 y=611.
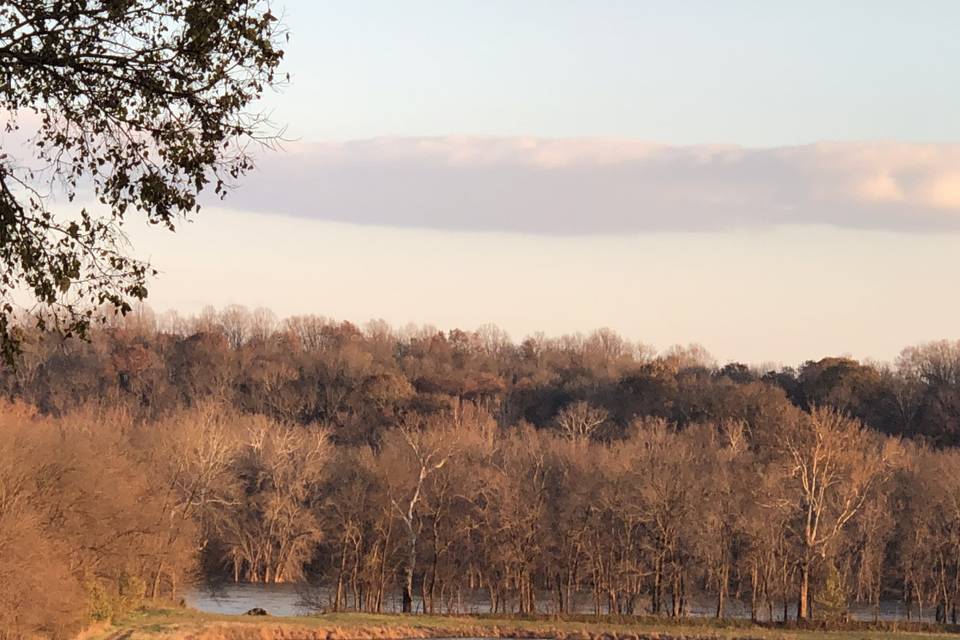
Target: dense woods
x=552 y=475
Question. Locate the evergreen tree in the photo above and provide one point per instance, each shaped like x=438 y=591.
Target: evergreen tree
x=832 y=597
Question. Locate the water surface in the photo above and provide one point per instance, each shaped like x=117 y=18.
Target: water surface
x=276 y=599
x=298 y=600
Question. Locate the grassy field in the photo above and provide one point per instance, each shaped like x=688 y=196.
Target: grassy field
x=169 y=624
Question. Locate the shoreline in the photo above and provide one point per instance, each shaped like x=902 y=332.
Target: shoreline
x=174 y=624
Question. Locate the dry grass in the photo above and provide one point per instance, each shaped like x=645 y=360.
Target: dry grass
x=170 y=624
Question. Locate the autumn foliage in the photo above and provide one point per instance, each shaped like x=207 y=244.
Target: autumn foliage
x=569 y=475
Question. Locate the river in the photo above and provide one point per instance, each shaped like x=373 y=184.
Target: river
x=293 y=600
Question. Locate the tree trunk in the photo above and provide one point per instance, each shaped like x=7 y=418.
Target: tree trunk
x=431 y=593
x=675 y=595
x=424 y=596
x=560 y=607
x=722 y=592
x=720 y=603
x=803 y=602
x=382 y=575
x=683 y=595
x=156 y=581
x=657 y=585
x=876 y=600
x=407 y=606
x=338 y=597
x=916 y=589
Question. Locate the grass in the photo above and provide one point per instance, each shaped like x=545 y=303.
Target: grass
x=170 y=624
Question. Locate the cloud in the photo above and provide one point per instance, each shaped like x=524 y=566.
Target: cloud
x=595 y=186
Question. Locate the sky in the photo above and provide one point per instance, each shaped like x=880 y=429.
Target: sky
x=776 y=181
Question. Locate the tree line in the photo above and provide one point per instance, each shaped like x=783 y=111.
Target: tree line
x=546 y=474
x=361 y=381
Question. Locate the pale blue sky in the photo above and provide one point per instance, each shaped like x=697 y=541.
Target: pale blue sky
x=776 y=180
x=761 y=73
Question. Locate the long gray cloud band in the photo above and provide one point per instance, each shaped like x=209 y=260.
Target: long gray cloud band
x=586 y=186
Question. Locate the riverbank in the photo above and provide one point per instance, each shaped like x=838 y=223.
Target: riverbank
x=187 y=624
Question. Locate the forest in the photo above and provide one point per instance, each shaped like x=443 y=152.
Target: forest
x=165 y=451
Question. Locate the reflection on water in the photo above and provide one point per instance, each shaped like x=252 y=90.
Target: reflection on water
x=294 y=600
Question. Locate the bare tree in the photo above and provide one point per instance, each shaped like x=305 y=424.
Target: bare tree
x=832 y=466
x=429 y=451
x=579 y=420
x=273 y=532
